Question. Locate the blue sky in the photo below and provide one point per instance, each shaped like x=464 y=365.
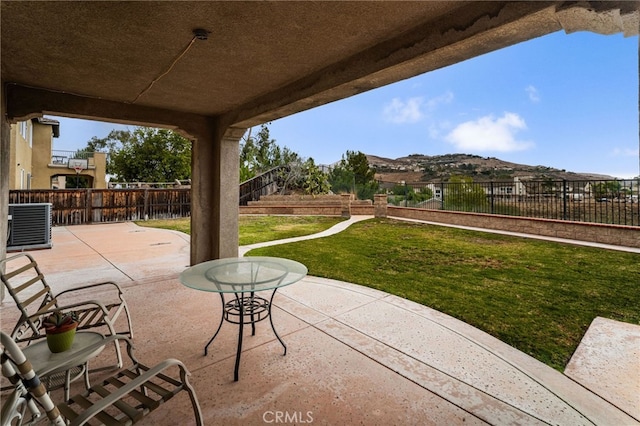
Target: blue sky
x=564 y=101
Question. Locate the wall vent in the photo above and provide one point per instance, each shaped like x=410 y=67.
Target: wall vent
x=29 y=226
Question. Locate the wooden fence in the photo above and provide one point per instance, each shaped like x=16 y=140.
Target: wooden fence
x=79 y=206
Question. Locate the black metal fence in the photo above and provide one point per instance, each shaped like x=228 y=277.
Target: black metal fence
x=596 y=201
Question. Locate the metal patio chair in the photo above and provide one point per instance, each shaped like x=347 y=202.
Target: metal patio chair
x=122 y=399
x=34 y=298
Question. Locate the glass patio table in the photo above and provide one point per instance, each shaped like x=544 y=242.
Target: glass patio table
x=243 y=277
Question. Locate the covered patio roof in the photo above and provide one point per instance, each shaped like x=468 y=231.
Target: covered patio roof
x=213 y=69
x=257 y=61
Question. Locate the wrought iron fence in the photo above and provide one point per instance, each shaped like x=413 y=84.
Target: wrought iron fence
x=596 y=201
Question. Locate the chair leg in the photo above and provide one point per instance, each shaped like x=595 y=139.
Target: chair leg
x=118 y=354
x=87 y=384
x=192 y=395
x=126 y=312
x=67 y=384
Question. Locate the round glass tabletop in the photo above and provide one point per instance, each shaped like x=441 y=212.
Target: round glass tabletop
x=243 y=274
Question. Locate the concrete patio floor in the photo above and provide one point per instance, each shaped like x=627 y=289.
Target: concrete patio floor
x=355 y=355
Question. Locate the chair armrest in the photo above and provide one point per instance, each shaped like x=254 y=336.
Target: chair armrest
x=92 y=286
x=130 y=386
x=71 y=306
x=35 y=317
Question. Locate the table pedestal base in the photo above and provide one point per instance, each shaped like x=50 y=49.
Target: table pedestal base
x=242 y=310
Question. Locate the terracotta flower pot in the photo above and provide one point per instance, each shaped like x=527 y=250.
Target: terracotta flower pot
x=60 y=339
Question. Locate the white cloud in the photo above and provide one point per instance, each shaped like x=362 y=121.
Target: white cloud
x=534 y=95
x=435 y=129
x=413 y=109
x=625 y=152
x=400 y=112
x=490 y=134
x=445 y=98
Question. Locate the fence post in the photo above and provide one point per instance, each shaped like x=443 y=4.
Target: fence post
x=89 y=206
x=406 y=194
x=564 y=199
x=146 y=204
x=492 y=196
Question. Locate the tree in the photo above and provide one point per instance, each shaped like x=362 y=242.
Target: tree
x=314 y=180
x=145 y=155
x=464 y=195
x=608 y=189
x=261 y=153
x=408 y=195
x=157 y=155
x=353 y=174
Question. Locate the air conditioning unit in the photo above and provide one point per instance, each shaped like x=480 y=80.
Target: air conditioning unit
x=29 y=227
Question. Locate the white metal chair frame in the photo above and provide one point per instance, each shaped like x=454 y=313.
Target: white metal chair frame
x=34 y=308
x=123 y=399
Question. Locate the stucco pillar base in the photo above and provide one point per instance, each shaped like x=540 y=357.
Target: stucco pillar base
x=380 y=205
x=345 y=200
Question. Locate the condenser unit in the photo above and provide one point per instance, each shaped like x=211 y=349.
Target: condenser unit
x=29 y=227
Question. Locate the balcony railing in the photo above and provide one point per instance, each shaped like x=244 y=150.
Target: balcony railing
x=61 y=158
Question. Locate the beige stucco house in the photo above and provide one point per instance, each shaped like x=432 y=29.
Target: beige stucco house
x=34 y=164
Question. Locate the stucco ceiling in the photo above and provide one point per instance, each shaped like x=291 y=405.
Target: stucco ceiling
x=262 y=60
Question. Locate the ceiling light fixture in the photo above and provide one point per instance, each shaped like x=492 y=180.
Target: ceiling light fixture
x=201 y=34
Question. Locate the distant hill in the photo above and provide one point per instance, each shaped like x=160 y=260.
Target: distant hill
x=424 y=168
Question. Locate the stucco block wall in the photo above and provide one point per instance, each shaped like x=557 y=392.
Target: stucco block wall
x=19 y=158
x=331 y=206
x=41 y=156
x=321 y=205
x=310 y=210
x=99 y=171
x=594 y=232
x=275 y=200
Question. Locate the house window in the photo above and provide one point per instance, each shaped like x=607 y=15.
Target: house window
x=25 y=130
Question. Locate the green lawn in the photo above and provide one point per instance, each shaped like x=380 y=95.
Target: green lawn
x=256 y=229
x=537 y=296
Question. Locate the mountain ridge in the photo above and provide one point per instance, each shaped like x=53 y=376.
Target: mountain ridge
x=423 y=168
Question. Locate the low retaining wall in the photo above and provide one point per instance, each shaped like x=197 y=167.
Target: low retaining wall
x=299 y=209
x=321 y=205
x=594 y=232
x=345 y=205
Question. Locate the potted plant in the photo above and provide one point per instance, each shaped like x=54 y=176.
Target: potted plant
x=61 y=330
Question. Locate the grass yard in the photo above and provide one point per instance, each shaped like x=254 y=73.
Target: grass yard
x=256 y=229
x=537 y=296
